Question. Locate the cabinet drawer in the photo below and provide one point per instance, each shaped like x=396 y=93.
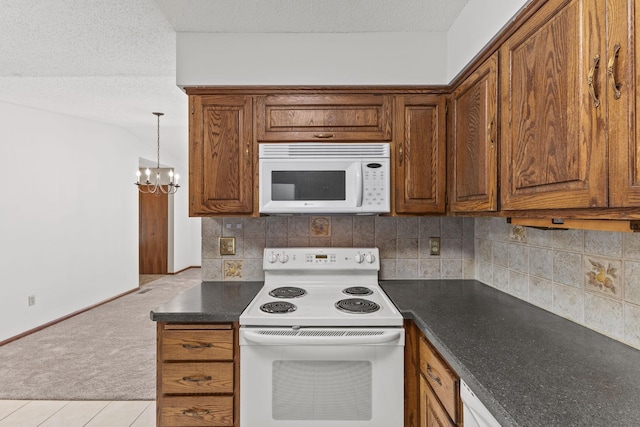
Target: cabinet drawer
x=188 y=378
x=324 y=118
x=197 y=345
x=442 y=380
x=197 y=411
x=432 y=413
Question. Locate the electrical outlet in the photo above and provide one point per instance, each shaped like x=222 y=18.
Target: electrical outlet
x=227 y=245
x=434 y=246
x=32 y=300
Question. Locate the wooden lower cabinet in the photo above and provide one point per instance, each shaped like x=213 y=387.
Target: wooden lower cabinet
x=432 y=388
x=197 y=375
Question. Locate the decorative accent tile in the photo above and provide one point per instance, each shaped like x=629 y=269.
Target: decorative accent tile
x=320 y=226
x=518 y=234
x=232 y=269
x=603 y=276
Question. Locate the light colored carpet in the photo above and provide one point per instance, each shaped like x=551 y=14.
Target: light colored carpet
x=107 y=353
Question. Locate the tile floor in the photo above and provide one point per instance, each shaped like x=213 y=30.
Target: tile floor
x=58 y=413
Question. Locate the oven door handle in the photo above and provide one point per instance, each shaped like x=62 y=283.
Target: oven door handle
x=385 y=337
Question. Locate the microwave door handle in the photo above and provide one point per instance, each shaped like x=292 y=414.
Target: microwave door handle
x=360 y=185
x=385 y=337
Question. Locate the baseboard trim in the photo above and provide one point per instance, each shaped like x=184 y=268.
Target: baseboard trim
x=68 y=316
x=185 y=269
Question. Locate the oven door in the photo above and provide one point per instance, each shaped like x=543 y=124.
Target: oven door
x=321 y=377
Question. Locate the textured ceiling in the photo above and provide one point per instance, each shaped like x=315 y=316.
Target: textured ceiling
x=114 y=60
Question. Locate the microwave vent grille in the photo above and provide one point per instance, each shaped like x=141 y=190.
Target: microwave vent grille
x=315 y=150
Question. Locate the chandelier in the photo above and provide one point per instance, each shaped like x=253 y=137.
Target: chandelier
x=157 y=187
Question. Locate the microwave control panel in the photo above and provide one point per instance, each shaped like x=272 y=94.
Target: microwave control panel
x=375 y=190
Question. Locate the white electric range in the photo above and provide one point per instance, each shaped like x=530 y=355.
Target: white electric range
x=321 y=344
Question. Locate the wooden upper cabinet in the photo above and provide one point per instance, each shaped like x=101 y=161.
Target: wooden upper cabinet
x=623 y=80
x=420 y=154
x=330 y=117
x=220 y=155
x=553 y=142
x=473 y=175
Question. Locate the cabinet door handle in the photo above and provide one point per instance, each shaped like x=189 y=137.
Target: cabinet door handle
x=611 y=75
x=196 y=412
x=192 y=347
x=592 y=90
x=490 y=133
x=197 y=379
x=400 y=153
x=433 y=376
x=324 y=135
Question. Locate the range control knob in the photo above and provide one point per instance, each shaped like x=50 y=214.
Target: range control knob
x=272 y=257
x=284 y=258
x=370 y=258
x=359 y=258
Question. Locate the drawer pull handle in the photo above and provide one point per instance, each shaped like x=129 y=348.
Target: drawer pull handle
x=197 y=379
x=433 y=376
x=324 y=135
x=196 y=412
x=191 y=347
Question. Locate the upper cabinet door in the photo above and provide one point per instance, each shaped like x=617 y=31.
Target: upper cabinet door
x=220 y=155
x=420 y=142
x=330 y=117
x=553 y=142
x=623 y=80
x=473 y=176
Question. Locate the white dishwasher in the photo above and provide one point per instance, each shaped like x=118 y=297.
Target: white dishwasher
x=475 y=414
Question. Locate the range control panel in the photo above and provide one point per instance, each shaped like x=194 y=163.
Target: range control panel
x=321 y=258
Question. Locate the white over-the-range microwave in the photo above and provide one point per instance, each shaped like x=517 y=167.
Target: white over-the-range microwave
x=324 y=178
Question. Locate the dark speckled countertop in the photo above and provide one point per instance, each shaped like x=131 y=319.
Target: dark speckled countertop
x=528 y=366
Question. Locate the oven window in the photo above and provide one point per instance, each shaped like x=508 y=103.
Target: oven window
x=321 y=390
x=308 y=185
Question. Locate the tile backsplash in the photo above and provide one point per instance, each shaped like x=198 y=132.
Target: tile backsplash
x=589 y=277
x=403 y=243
